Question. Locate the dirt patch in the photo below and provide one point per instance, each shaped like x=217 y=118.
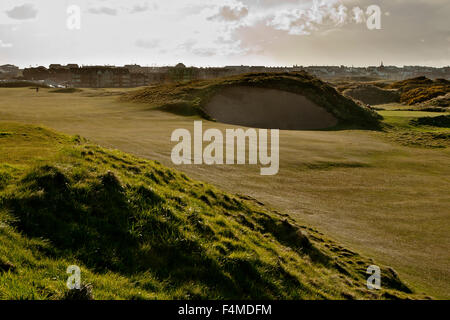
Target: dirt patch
x=268 y=108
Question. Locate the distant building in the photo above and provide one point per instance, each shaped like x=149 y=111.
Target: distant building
x=134 y=68
x=55 y=66
x=136 y=75
x=9 y=71
x=100 y=77
x=39 y=73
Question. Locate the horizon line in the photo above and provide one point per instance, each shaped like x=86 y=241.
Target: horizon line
x=224 y=66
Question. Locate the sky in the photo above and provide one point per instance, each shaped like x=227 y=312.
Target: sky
x=225 y=32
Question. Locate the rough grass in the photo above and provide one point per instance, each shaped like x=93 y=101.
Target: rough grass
x=441 y=103
x=420 y=89
x=189 y=98
x=440 y=121
x=418 y=128
x=139 y=230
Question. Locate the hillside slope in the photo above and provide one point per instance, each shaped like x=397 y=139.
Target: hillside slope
x=192 y=97
x=139 y=230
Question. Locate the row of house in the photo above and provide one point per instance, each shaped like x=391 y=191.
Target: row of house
x=381 y=72
x=127 y=76
x=9 y=71
x=134 y=75
x=89 y=76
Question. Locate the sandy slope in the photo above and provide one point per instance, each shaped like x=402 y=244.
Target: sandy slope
x=268 y=108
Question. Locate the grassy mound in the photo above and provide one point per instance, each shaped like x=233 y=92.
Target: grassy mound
x=441 y=103
x=371 y=94
x=190 y=98
x=139 y=230
x=420 y=89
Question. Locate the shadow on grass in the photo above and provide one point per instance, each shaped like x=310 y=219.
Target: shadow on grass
x=131 y=230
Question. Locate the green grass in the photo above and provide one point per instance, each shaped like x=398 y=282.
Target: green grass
x=372 y=191
x=140 y=230
x=388 y=115
x=189 y=98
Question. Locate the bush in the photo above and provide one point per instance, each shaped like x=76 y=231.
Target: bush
x=441 y=121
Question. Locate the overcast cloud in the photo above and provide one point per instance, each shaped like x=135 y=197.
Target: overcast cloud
x=22 y=12
x=225 y=32
x=103 y=10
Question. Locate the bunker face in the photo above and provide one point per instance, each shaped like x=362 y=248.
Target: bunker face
x=373 y=95
x=268 y=108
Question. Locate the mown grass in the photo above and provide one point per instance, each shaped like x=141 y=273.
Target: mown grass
x=139 y=230
x=190 y=98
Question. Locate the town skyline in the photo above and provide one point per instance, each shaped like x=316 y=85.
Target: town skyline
x=160 y=65
x=220 y=33
x=74 y=75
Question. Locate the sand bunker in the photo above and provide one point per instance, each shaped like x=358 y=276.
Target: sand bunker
x=373 y=95
x=268 y=108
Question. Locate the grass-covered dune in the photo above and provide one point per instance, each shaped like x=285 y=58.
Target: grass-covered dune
x=139 y=230
x=439 y=104
x=420 y=89
x=191 y=97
